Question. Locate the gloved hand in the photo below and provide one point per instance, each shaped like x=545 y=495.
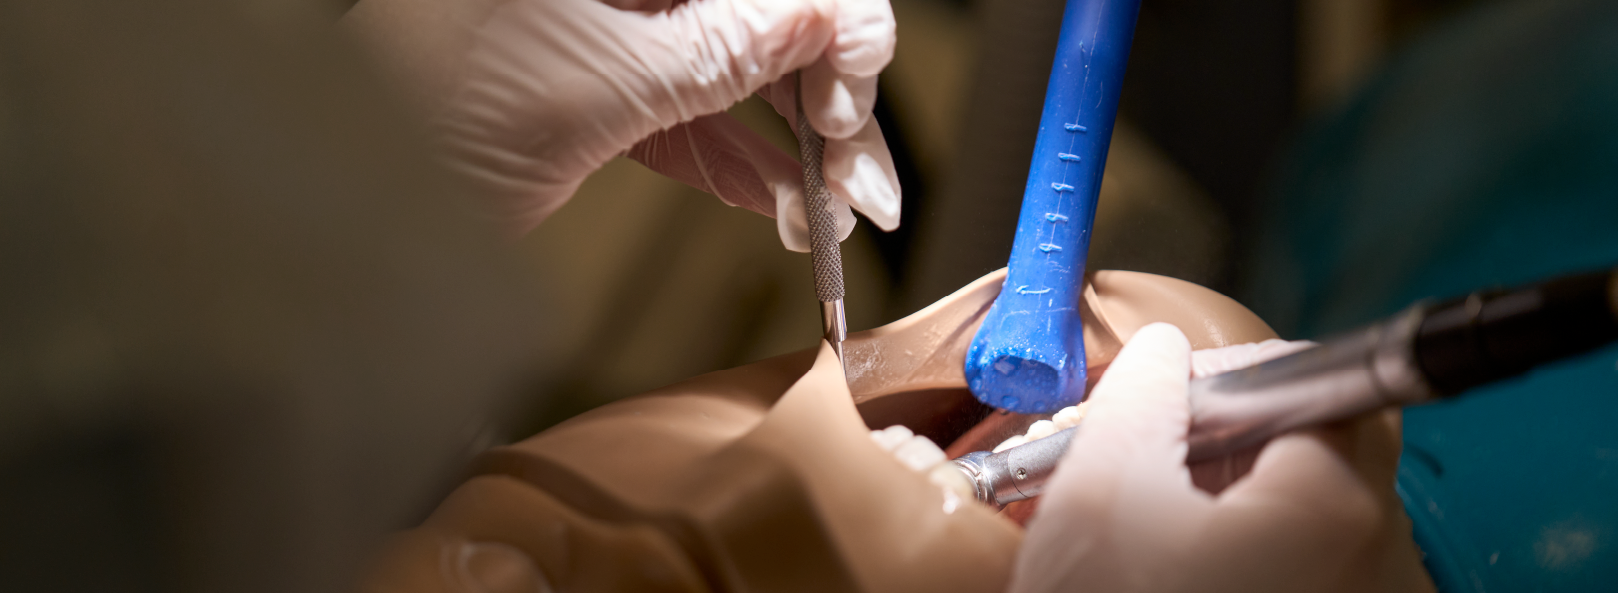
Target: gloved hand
x=1317 y=512
x=531 y=96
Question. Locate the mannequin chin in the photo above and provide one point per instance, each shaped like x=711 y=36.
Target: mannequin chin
x=765 y=477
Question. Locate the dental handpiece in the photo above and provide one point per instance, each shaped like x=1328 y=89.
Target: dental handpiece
x=824 y=253
x=1424 y=354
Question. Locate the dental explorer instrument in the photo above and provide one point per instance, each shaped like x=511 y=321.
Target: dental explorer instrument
x=824 y=253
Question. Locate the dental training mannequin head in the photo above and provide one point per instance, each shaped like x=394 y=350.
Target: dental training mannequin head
x=763 y=477
x=276 y=332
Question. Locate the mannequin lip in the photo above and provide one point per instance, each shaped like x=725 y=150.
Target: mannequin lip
x=924 y=388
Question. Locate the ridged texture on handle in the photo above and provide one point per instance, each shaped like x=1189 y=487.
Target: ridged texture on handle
x=1028 y=356
x=824 y=252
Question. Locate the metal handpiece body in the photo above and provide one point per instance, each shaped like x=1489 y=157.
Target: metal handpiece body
x=1343 y=377
x=1424 y=354
x=1340 y=378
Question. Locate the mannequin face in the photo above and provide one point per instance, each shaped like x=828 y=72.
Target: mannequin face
x=765 y=477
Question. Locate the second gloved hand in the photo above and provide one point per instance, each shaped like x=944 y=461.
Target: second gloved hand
x=531 y=96
x=1317 y=512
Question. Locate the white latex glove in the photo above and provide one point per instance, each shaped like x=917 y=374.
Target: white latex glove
x=531 y=96
x=1317 y=512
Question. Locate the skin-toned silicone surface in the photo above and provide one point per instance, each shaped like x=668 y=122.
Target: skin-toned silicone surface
x=764 y=477
x=922 y=351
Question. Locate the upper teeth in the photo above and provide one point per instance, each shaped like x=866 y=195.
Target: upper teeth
x=913 y=450
x=1064 y=419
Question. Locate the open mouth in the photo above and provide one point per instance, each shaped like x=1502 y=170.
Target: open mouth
x=910 y=372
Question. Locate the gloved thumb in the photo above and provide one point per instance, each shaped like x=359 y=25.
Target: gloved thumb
x=1139 y=413
x=739 y=46
x=719 y=155
x=858 y=169
x=730 y=48
x=1119 y=490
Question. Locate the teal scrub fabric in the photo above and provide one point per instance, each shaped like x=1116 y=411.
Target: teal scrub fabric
x=1484 y=154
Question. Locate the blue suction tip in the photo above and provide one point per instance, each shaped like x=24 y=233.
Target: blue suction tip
x=1028 y=357
x=1029 y=381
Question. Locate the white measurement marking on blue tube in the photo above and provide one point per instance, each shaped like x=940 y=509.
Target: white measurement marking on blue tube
x=1054 y=217
x=1075 y=128
x=1024 y=290
x=1069 y=157
x=1061 y=187
x=1049 y=247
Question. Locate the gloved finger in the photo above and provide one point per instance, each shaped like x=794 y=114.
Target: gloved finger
x=792 y=220
x=782 y=95
x=648 y=6
x=1138 y=411
x=1213 y=476
x=1365 y=448
x=838 y=104
x=722 y=156
x=731 y=48
x=840 y=89
x=1313 y=496
x=1124 y=468
x=865 y=38
x=1320 y=493
x=859 y=170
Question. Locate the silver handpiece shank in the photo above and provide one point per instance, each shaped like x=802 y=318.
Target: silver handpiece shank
x=1017 y=473
x=1343 y=377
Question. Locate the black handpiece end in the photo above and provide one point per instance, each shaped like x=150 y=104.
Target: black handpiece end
x=1488 y=336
